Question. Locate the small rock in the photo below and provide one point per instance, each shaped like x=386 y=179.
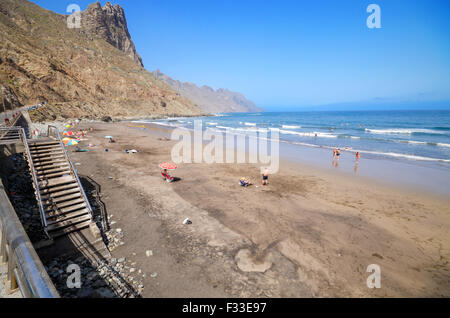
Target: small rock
x=149 y=253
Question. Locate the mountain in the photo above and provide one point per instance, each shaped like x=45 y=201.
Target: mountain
x=210 y=100
x=110 y=24
x=92 y=71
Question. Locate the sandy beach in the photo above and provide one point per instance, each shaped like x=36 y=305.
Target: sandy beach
x=311 y=232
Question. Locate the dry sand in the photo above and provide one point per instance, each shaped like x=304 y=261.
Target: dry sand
x=309 y=233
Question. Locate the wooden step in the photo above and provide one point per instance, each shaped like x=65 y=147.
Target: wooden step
x=39 y=163
x=55 y=219
x=46 y=151
x=56 y=182
x=51 y=191
x=42 y=143
x=52 y=166
x=44 y=172
x=56 y=214
x=38 y=146
x=68 y=209
x=66 y=206
x=69 y=229
x=53 y=175
x=50 y=170
x=62 y=198
x=47 y=157
x=71 y=222
x=60 y=193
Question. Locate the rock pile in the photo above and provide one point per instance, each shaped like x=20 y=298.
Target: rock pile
x=105 y=280
x=21 y=194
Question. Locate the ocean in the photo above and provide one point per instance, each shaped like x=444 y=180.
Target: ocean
x=422 y=136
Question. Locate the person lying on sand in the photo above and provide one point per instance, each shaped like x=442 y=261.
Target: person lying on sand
x=166 y=176
x=244 y=182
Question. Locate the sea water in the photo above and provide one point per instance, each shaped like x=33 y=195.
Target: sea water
x=398 y=135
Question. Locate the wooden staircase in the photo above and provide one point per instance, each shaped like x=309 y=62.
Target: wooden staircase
x=9 y=135
x=63 y=203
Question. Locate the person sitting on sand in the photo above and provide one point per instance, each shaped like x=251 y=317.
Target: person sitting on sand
x=166 y=176
x=244 y=182
x=265 y=177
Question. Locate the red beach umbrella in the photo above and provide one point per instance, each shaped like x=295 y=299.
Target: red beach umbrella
x=168 y=166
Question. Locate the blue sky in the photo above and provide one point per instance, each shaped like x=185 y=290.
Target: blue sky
x=296 y=53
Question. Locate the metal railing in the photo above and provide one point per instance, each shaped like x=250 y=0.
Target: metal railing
x=33 y=172
x=53 y=132
x=25 y=269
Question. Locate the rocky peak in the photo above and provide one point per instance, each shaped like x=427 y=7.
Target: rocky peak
x=110 y=24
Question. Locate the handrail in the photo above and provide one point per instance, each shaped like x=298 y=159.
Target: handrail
x=57 y=136
x=35 y=179
x=25 y=269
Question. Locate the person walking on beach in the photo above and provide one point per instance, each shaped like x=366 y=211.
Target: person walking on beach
x=338 y=154
x=357 y=156
x=334 y=154
x=265 y=177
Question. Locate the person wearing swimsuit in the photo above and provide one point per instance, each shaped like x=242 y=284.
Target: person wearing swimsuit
x=265 y=176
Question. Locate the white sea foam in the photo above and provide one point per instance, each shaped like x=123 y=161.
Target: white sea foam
x=291 y=127
x=250 y=124
x=406 y=131
x=406 y=156
x=212 y=124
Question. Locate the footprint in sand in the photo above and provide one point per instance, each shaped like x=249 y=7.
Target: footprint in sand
x=246 y=262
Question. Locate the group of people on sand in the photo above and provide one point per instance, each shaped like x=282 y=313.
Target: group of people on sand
x=243 y=181
x=265 y=179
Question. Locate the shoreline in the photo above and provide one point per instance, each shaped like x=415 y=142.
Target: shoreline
x=307 y=234
x=413 y=176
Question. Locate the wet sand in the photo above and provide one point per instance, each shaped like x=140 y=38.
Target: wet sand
x=311 y=232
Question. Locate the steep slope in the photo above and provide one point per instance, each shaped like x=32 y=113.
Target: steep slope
x=210 y=100
x=80 y=72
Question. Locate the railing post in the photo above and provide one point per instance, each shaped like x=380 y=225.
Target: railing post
x=4 y=256
x=11 y=275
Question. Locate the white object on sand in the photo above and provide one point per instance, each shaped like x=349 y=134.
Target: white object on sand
x=187 y=221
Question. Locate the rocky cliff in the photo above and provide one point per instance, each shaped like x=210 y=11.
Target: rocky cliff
x=210 y=100
x=110 y=24
x=88 y=72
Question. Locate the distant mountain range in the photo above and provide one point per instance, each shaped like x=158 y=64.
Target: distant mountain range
x=210 y=100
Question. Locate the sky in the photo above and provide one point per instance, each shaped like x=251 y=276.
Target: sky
x=290 y=54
